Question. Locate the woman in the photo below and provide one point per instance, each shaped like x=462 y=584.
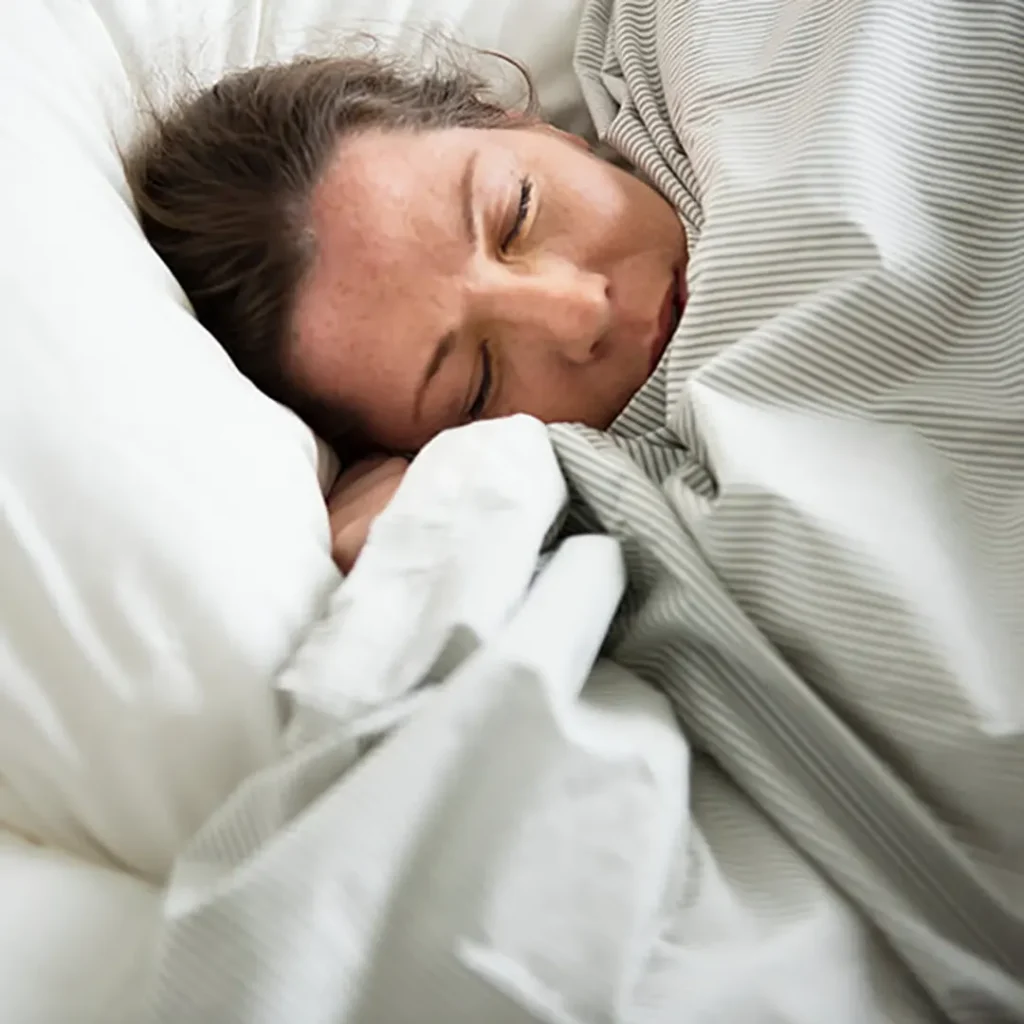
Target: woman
x=384 y=248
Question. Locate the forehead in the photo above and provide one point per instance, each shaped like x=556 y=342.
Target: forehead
x=386 y=219
x=385 y=205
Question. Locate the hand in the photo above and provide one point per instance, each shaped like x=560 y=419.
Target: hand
x=358 y=496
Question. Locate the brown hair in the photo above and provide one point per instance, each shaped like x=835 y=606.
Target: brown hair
x=222 y=183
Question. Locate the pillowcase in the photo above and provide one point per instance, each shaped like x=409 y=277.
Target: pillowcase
x=163 y=43
x=163 y=537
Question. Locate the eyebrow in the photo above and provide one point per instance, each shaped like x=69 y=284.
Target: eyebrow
x=446 y=345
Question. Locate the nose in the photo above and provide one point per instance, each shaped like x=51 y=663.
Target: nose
x=550 y=302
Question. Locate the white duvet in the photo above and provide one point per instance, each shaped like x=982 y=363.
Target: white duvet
x=470 y=822
x=524 y=838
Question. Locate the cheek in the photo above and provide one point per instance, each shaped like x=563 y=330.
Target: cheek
x=614 y=216
x=611 y=209
x=654 y=212
x=593 y=394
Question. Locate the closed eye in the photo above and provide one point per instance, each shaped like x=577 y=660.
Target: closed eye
x=476 y=410
x=525 y=199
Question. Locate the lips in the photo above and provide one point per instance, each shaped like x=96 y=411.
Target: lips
x=669 y=317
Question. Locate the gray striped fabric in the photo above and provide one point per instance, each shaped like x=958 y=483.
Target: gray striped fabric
x=821 y=493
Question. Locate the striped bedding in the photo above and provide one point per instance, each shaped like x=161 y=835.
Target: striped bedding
x=819 y=500
x=821 y=495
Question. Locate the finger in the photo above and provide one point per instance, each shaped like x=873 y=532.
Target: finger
x=348 y=543
x=363 y=477
x=350 y=474
x=366 y=505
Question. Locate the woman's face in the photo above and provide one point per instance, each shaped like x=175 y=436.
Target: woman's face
x=471 y=273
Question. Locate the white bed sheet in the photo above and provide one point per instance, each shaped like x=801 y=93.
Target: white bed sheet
x=533 y=843
x=76 y=939
x=529 y=840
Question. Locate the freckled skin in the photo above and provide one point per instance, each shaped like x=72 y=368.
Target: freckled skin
x=552 y=309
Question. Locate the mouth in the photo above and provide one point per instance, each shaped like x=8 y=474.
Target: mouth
x=668 y=319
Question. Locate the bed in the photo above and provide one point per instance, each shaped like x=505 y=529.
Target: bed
x=502 y=773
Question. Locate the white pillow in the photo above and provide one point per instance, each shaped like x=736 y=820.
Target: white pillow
x=163 y=42
x=163 y=541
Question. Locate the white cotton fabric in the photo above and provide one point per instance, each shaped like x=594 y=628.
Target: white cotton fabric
x=489 y=847
x=163 y=540
x=472 y=823
x=76 y=939
x=164 y=544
